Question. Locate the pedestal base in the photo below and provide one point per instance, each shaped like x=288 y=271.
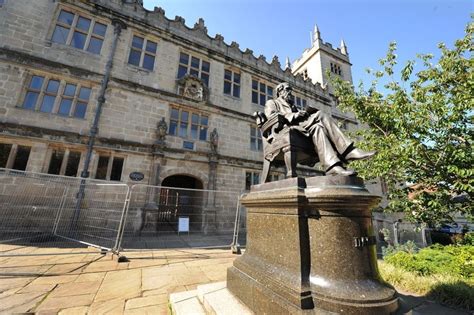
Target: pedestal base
x=310 y=249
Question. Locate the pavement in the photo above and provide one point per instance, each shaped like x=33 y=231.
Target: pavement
x=83 y=281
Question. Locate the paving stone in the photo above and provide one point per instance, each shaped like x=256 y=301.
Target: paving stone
x=80 y=310
x=146 y=301
x=52 y=303
x=114 y=306
x=10 y=283
x=55 y=279
x=102 y=266
x=75 y=288
x=149 y=310
x=120 y=284
x=37 y=288
x=87 y=277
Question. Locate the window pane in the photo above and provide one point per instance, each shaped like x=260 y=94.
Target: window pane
x=194 y=62
x=101 y=172
x=194 y=72
x=53 y=86
x=85 y=93
x=260 y=145
x=60 y=34
x=252 y=132
x=205 y=78
x=80 y=111
x=195 y=119
x=21 y=158
x=254 y=85
x=270 y=91
x=254 y=97
x=73 y=164
x=227 y=75
x=95 y=45
x=263 y=87
x=204 y=120
x=206 y=66
x=151 y=47
x=65 y=107
x=48 y=103
x=134 y=58
x=262 y=99
x=184 y=116
x=4 y=153
x=36 y=82
x=184 y=58
x=55 y=162
x=173 y=126
x=117 y=166
x=174 y=114
x=70 y=90
x=237 y=78
x=182 y=70
x=99 y=29
x=203 y=134
x=83 y=24
x=149 y=62
x=137 y=42
x=194 y=131
x=236 y=91
x=227 y=87
x=253 y=144
x=255 y=178
x=30 y=100
x=66 y=17
x=183 y=129
x=248 y=180
x=78 y=40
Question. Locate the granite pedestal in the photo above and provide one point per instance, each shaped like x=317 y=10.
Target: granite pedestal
x=310 y=250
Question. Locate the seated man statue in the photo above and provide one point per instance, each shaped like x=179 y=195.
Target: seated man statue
x=334 y=149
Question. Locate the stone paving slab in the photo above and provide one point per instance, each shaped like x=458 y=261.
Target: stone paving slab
x=98 y=284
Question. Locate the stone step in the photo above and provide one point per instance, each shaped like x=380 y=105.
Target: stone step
x=212 y=298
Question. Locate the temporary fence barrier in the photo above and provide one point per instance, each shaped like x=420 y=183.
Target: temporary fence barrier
x=40 y=213
x=170 y=217
x=49 y=212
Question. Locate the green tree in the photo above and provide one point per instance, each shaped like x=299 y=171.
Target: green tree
x=422 y=127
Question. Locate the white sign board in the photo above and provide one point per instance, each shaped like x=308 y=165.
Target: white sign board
x=183 y=224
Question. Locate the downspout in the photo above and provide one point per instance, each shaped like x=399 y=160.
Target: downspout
x=118 y=26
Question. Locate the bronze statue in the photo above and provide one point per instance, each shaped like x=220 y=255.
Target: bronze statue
x=332 y=147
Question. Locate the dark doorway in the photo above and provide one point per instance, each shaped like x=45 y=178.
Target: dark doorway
x=180 y=197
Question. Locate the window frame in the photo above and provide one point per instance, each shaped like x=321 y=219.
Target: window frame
x=190 y=67
x=65 y=161
x=12 y=155
x=233 y=83
x=143 y=51
x=111 y=158
x=59 y=96
x=258 y=91
x=72 y=28
x=336 y=68
x=178 y=123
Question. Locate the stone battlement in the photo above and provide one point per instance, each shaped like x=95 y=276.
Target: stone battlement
x=199 y=34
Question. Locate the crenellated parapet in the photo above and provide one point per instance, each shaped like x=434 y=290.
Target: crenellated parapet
x=199 y=34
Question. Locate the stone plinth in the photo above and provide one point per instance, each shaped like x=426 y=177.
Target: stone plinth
x=310 y=249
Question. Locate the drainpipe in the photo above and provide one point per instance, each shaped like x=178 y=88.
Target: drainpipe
x=118 y=26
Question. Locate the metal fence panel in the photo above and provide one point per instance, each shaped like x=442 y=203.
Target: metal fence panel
x=168 y=217
x=49 y=211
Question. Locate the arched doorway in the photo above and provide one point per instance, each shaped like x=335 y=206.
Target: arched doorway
x=180 y=196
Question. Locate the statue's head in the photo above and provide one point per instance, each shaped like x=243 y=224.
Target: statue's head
x=285 y=91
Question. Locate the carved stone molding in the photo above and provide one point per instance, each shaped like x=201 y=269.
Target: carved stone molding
x=192 y=87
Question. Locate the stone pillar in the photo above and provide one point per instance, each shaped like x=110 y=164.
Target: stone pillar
x=310 y=249
x=209 y=216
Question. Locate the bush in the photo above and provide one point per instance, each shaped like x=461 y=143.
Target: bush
x=468 y=239
x=409 y=247
x=436 y=259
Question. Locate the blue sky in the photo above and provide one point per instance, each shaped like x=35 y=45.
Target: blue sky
x=282 y=28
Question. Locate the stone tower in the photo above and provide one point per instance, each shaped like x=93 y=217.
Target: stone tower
x=320 y=57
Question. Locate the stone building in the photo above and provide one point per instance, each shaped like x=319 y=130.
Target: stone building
x=169 y=101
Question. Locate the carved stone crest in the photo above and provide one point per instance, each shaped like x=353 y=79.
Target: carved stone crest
x=192 y=87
